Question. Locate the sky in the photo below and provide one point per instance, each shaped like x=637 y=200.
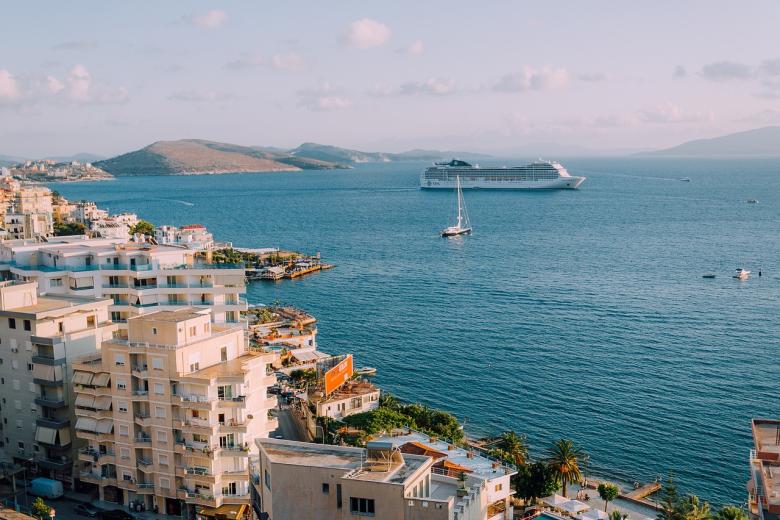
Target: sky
x=497 y=76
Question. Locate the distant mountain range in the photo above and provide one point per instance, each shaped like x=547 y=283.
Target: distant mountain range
x=760 y=141
x=80 y=157
x=195 y=156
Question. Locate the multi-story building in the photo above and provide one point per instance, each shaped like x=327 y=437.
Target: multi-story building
x=764 y=484
x=350 y=398
x=40 y=335
x=193 y=236
x=171 y=412
x=293 y=480
x=28 y=225
x=138 y=277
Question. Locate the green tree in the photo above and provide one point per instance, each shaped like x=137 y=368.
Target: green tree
x=143 y=227
x=564 y=458
x=388 y=400
x=534 y=481
x=69 y=228
x=40 y=509
x=730 y=513
x=516 y=446
x=670 y=501
x=617 y=515
x=608 y=492
x=691 y=508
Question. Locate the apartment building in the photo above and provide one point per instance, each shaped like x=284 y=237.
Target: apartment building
x=350 y=398
x=39 y=336
x=170 y=413
x=138 y=277
x=29 y=212
x=293 y=480
x=764 y=483
x=192 y=236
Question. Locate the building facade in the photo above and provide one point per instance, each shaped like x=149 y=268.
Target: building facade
x=41 y=335
x=764 y=483
x=170 y=413
x=138 y=277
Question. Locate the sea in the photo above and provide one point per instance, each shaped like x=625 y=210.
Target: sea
x=566 y=314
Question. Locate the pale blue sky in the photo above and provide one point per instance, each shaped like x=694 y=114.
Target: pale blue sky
x=109 y=77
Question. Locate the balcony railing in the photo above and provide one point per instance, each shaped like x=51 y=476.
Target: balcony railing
x=52 y=422
x=50 y=402
x=48 y=360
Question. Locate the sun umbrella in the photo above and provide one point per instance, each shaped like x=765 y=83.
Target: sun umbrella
x=555 y=500
x=593 y=514
x=573 y=507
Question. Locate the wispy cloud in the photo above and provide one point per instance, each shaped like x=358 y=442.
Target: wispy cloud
x=431 y=86
x=530 y=78
x=668 y=112
x=77 y=87
x=290 y=60
x=324 y=98
x=366 y=33
x=592 y=77
x=76 y=45
x=210 y=20
x=726 y=71
x=198 y=95
x=416 y=48
x=679 y=72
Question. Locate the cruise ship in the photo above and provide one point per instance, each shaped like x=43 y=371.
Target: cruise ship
x=544 y=175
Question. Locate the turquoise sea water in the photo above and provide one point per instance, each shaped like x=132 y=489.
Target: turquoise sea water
x=580 y=314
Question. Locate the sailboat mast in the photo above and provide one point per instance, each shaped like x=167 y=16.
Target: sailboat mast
x=460 y=206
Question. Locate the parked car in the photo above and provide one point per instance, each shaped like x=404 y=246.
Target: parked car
x=116 y=514
x=87 y=510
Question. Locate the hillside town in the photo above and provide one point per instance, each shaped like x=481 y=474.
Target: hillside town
x=135 y=376
x=49 y=170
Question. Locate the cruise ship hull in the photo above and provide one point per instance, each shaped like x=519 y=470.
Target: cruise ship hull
x=562 y=183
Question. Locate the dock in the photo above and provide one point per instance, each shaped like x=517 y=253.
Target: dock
x=643 y=491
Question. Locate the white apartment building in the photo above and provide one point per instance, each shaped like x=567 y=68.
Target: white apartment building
x=294 y=480
x=171 y=413
x=138 y=277
x=193 y=236
x=39 y=336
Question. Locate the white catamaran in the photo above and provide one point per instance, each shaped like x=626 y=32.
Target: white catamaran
x=463 y=227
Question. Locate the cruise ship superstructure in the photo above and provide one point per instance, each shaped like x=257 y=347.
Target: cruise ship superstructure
x=537 y=175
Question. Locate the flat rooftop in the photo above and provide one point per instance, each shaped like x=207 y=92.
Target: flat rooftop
x=766 y=435
x=351 y=389
x=234 y=367
x=351 y=460
x=52 y=305
x=172 y=316
x=480 y=466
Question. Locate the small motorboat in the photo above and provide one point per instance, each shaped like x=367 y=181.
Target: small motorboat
x=365 y=371
x=708 y=275
x=752 y=201
x=686 y=179
x=742 y=274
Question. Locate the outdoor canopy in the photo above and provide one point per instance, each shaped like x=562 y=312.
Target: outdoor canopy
x=555 y=500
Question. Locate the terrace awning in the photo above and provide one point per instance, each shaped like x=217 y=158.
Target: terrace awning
x=555 y=500
x=82 y=378
x=105 y=425
x=311 y=355
x=86 y=424
x=573 y=507
x=103 y=402
x=85 y=401
x=45 y=435
x=101 y=379
x=593 y=514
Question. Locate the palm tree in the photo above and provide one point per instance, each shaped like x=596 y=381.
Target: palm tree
x=694 y=509
x=564 y=458
x=608 y=492
x=516 y=446
x=730 y=513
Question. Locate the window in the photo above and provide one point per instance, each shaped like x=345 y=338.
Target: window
x=122 y=407
x=124 y=453
x=162 y=437
x=11 y=323
x=225 y=392
x=338 y=496
x=193 y=331
x=27 y=325
x=18 y=404
x=223 y=354
x=32 y=387
x=29 y=367
x=19 y=424
x=159 y=389
x=267 y=480
x=123 y=430
x=20 y=445
x=499 y=487
x=154 y=331
x=325 y=488
x=14 y=364
x=90 y=321
x=361 y=506
x=159 y=411
x=56 y=282
x=15 y=384
x=121 y=384
x=157 y=363
x=119 y=360
x=162 y=460
x=165 y=483
x=194 y=367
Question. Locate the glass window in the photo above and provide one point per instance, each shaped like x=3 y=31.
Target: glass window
x=361 y=506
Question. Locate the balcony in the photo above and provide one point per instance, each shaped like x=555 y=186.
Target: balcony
x=201 y=475
x=142 y=419
x=143 y=440
x=234 y=451
x=54 y=381
x=59 y=464
x=86 y=476
x=200 y=402
x=145 y=488
x=90 y=455
x=52 y=422
x=232 y=427
x=145 y=465
x=48 y=360
x=50 y=402
x=140 y=395
x=231 y=402
x=141 y=371
x=235 y=499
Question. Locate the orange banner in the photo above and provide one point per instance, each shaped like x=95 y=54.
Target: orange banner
x=338 y=375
